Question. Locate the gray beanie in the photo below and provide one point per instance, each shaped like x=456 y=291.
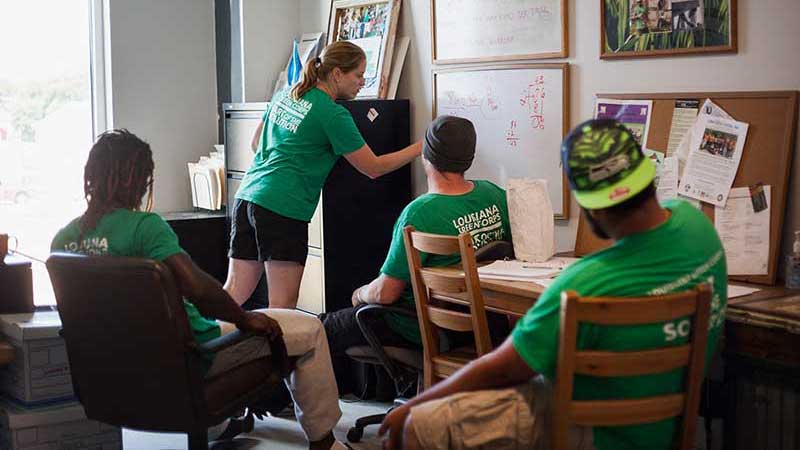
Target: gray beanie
x=450 y=144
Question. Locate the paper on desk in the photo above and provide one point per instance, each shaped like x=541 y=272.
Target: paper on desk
x=744 y=233
x=516 y=270
x=740 y=291
x=544 y=282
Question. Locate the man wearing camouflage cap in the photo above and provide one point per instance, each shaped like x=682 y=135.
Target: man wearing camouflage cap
x=500 y=401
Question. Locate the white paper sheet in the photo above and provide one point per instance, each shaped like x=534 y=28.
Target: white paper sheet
x=666 y=180
x=744 y=233
x=683 y=118
x=709 y=108
x=516 y=270
x=714 y=156
x=740 y=291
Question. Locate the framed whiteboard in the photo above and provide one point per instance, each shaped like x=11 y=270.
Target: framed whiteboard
x=497 y=30
x=521 y=114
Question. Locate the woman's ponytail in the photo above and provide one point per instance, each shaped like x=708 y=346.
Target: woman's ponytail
x=308 y=80
x=343 y=55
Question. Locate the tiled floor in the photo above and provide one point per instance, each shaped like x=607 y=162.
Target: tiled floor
x=272 y=433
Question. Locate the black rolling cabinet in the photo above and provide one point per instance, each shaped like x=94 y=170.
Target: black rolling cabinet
x=358 y=213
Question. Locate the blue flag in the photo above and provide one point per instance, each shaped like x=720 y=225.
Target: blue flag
x=295 y=67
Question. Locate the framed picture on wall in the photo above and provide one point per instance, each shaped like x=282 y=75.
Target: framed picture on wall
x=372 y=25
x=466 y=31
x=640 y=28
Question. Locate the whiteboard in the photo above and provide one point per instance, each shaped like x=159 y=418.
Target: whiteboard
x=520 y=114
x=496 y=30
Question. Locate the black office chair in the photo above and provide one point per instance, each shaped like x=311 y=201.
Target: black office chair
x=133 y=358
x=403 y=365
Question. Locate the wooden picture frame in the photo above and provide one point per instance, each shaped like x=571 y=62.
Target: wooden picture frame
x=375 y=35
x=512 y=34
x=513 y=99
x=666 y=27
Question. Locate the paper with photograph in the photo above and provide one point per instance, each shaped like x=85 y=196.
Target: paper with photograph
x=709 y=108
x=744 y=233
x=634 y=114
x=713 y=159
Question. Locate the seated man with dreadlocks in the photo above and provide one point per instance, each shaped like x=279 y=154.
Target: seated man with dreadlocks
x=118 y=174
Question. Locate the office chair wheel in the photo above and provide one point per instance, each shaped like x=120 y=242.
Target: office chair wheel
x=355 y=434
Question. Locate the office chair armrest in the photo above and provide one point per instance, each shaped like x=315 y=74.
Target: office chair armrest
x=372 y=339
x=280 y=357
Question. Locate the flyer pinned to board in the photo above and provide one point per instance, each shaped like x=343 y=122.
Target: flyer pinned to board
x=714 y=156
x=634 y=114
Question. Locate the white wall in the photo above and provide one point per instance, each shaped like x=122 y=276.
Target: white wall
x=767 y=60
x=164 y=87
x=268 y=28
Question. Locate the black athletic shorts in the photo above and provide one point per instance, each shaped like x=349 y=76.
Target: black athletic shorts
x=260 y=234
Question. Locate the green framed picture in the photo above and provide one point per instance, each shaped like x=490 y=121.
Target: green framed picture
x=643 y=28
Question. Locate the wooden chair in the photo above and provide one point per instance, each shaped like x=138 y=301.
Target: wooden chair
x=438 y=365
x=630 y=311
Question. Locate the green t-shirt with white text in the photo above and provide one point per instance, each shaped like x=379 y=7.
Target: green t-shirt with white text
x=482 y=212
x=123 y=232
x=677 y=255
x=301 y=141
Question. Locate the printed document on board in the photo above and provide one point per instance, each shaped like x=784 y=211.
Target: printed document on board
x=714 y=158
x=744 y=233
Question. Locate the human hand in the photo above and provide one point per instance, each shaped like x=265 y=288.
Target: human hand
x=393 y=424
x=355 y=299
x=260 y=323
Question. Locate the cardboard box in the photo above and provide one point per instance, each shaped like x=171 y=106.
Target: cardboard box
x=56 y=427
x=39 y=373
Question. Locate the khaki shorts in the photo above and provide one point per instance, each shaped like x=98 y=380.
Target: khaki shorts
x=513 y=418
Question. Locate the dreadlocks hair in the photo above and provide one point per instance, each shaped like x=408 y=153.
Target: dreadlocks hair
x=118 y=173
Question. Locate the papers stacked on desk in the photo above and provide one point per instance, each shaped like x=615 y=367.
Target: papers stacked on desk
x=515 y=270
x=207 y=178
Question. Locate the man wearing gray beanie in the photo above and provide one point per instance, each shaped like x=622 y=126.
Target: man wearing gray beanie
x=452 y=205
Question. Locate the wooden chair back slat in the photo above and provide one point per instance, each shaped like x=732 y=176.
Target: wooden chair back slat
x=446 y=283
x=695 y=304
x=436 y=244
x=432 y=318
x=450 y=320
x=623 y=364
x=634 y=311
x=609 y=413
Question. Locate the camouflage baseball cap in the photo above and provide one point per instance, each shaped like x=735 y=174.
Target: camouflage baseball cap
x=604 y=164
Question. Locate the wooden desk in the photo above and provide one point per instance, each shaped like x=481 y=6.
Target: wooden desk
x=761 y=355
x=502 y=296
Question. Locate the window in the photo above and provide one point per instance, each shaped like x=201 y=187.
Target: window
x=46 y=122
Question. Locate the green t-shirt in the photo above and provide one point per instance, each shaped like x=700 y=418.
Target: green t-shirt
x=123 y=232
x=483 y=212
x=300 y=143
x=673 y=257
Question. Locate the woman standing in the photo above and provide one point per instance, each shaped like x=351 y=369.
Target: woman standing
x=304 y=132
